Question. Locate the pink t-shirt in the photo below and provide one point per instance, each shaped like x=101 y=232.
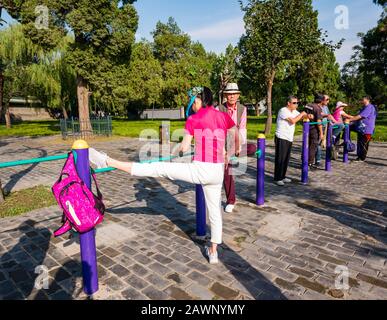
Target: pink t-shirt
x=209 y=128
x=337 y=115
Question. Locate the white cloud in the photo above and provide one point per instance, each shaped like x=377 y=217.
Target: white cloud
x=224 y=30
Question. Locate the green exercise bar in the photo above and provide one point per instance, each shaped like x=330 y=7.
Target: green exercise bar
x=32 y=161
x=64 y=156
x=324 y=123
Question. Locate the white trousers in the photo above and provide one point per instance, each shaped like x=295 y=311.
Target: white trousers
x=209 y=175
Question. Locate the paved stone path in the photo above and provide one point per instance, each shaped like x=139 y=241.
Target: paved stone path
x=296 y=247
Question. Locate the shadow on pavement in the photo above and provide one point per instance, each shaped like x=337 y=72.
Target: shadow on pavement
x=254 y=282
x=20 y=262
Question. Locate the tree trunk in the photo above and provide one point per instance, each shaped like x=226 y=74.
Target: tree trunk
x=83 y=108
x=65 y=114
x=258 y=112
x=269 y=121
x=7 y=116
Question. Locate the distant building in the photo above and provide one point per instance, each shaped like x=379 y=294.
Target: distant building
x=28 y=109
x=170 y=114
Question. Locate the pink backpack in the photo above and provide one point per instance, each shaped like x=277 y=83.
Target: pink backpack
x=82 y=210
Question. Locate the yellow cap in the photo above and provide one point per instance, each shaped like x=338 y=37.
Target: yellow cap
x=80 y=145
x=261 y=136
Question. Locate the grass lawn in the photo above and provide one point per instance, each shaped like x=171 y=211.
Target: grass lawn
x=31 y=129
x=125 y=128
x=133 y=128
x=17 y=203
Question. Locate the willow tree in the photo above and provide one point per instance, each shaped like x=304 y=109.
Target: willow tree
x=16 y=54
x=53 y=80
x=276 y=31
x=103 y=30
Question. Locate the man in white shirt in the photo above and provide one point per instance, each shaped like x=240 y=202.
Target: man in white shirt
x=284 y=137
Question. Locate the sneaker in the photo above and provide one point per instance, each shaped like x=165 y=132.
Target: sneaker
x=97 y=158
x=280 y=183
x=229 y=208
x=318 y=164
x=287 y=180
x=312 y=167
x=212 y=258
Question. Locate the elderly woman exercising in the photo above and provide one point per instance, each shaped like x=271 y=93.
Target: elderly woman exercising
x=209 y=128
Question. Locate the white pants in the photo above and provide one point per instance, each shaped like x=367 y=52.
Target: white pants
x=209 y=175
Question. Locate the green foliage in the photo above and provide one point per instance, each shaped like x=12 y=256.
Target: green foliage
x=103 y=30
x=380 y=2
x=184 y=63
x=277 y=31
x=227 y=68
x=145 y=77
x=29 y=71
x=16 y=57
x=366 y=73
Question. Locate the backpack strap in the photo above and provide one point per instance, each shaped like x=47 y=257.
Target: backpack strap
x=99 y=194
x=68 y=167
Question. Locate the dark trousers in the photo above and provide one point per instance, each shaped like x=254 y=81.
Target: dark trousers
x=229 y=185
x=363 y=144
x=314 y=138
x=283 y=149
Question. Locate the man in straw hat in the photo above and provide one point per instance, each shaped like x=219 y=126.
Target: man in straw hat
x=238 y=113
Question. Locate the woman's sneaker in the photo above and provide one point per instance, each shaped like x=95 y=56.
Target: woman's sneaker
x=212 y=258
x=280 y=183
x=287 y=180
x=99 y=159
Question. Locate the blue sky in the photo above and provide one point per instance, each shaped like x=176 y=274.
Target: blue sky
x=216 y=23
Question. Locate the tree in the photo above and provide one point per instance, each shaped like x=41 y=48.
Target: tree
x=104 y=31
x=380 y=2
x=53 y=80
x=145 y=78
x=352 y=80
x=374 y=49
x=184 y=63
x=276 y=31
x=16 y=54
x=319 y=72
x=227 y=69
x=366 y=73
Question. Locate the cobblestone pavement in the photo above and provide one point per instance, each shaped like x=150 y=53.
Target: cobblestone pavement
x=298 y=246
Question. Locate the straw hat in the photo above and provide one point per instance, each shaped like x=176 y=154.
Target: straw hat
x=231 y=88
x=341 y=105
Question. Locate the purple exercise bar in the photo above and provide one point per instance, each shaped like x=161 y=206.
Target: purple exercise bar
x=261 y=171
x=87 y=240
x=347 y=136
x=305 y=153
x=328 y=162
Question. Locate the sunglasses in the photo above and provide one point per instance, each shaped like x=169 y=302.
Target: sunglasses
x=295 y=103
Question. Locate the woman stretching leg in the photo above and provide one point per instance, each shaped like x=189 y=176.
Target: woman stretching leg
x=209 y=128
